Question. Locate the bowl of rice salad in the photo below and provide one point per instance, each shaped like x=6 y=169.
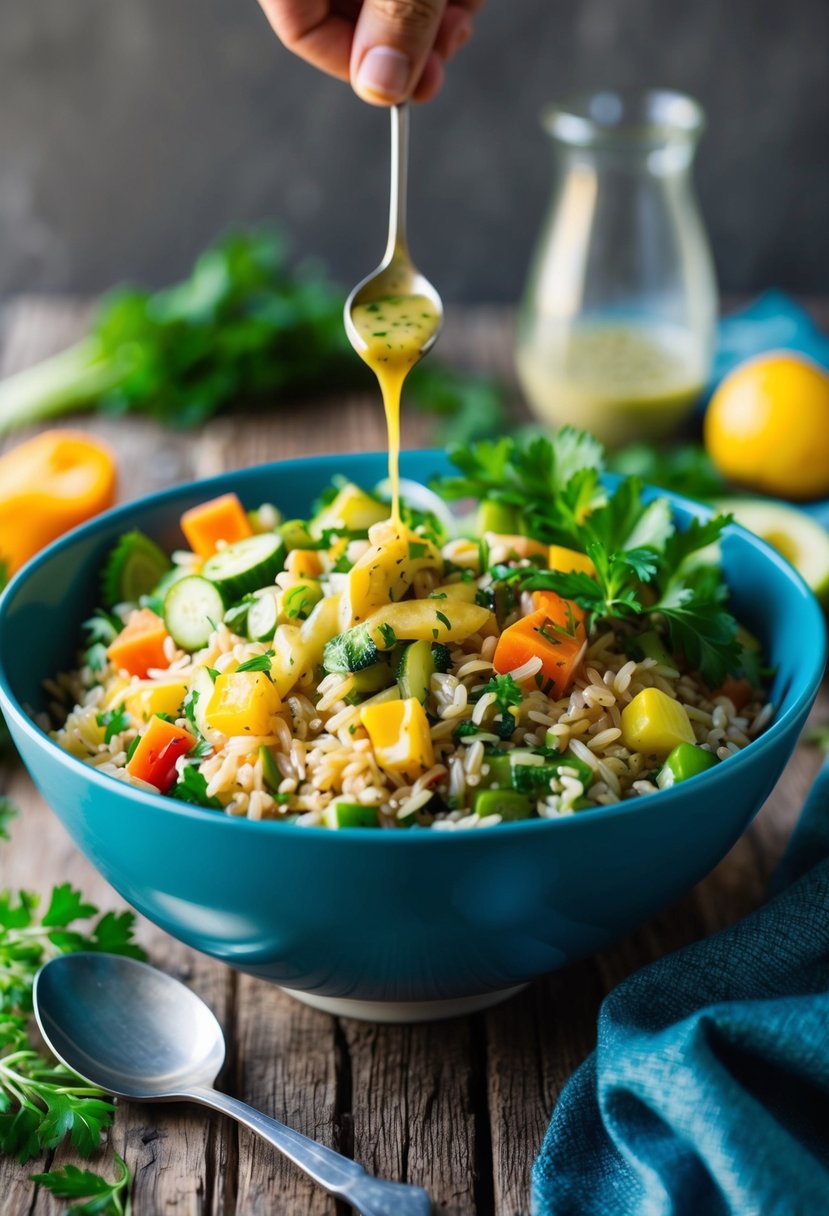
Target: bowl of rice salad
x=401 y=766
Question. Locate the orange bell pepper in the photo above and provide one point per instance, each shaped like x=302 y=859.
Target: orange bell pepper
x=221 y=519
x=739 y=692
x=553 y=632
x=154 y=759
x=48 y=485
x=140 y=644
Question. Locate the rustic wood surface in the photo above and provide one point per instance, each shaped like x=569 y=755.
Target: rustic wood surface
x=458 y=1107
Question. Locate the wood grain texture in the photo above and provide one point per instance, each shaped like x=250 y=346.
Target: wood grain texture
x=458 y=1107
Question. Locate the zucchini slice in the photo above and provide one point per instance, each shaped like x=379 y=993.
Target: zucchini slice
x=246 y=565
x=415 y=671
x=263 y=616
x=192 y=609
x=134 y=568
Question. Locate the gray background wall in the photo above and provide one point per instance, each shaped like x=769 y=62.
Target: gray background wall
x=131 y=131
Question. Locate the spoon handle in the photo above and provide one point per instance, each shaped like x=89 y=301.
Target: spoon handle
x=339 y=1175
x=399 y=177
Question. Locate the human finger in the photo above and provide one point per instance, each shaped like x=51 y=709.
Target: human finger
x=316 y=30
x=392 y=44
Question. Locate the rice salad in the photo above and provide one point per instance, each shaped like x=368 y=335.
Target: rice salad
x=557 y=648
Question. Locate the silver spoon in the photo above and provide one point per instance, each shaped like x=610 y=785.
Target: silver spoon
x=396 y=275
x=140 y=1034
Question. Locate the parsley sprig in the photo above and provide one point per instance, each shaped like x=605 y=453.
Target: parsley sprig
x=91 y=1194
x=42 y=1101
x=644 y=566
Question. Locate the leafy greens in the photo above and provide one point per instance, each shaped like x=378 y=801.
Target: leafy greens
x=644 y=566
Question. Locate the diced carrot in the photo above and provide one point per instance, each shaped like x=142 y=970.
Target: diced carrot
x=220 y=519
x=519 y=546
x=539 y=635
x=140 y=644
x=565 y=614
x=154 y=759
x=739 y=692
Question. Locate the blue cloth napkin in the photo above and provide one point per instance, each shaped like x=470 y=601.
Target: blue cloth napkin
x=708 y=1091
x=774 y=321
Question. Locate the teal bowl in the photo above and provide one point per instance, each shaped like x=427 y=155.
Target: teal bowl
x=386 y=925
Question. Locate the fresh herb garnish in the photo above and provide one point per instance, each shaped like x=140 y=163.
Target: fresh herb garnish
x=444 y=619
x=114 y=721
x=260 y=662
x=192 y=787
x=387 y=634
x=42 y=1101
x=643 y=565
x=507 y=694
x=91 y=1194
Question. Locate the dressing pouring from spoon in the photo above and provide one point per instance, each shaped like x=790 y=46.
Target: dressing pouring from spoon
x=393 y=316
x=141 y=1035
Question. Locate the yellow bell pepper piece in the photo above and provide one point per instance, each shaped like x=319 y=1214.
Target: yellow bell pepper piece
x=243 y=703
x=400 y=735
x=352 y=510
x=48 y=485
x=157 y=699
x=386 y=570
x=427 y=621
x=569 y=561
x=654 y=723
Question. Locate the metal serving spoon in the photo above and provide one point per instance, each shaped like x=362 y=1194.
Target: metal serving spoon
x=396 y=275
x=140 y=1034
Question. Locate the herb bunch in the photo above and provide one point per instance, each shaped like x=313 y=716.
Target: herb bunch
x=42 y=1102
x=246 y=327
x=644 y=566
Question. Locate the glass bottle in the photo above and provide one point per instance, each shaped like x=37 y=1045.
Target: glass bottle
x=616 y=329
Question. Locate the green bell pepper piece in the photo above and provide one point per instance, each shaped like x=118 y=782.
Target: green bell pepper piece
x=507 y=803
x=686 y=760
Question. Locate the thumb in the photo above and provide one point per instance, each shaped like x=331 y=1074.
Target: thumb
x=391 y=44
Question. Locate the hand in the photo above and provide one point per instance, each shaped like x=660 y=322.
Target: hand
x=389 y=50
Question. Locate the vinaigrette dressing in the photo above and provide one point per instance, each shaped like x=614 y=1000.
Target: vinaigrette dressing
x=394 y=329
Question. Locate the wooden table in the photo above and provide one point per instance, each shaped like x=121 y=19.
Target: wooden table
x=458 y=1107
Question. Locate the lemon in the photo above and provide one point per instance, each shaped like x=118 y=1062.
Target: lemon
x=767 y=426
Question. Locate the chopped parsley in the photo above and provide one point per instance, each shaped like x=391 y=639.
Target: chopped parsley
x=114 y=721
x=444 y=619
x=387 y=634
x=260 y=662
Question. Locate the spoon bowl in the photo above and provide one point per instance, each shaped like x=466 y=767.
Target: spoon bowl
x=396 y=275
x=127 y=1027
x=140 y=1034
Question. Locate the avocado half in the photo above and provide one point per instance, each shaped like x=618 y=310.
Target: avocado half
x=801 y=539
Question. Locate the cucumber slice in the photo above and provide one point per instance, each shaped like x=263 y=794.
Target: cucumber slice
x=192 y=609
x=246 y=565
x=370 y=680
x=133 y=568
x=263 y=615
x=414 y=674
